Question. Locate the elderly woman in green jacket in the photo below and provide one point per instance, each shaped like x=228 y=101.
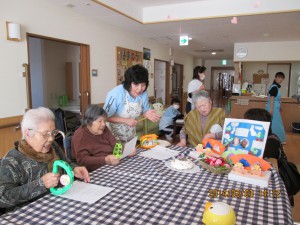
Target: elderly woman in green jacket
x=203 y=122
x=26 y=170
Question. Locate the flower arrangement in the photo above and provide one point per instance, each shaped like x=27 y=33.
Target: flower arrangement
x=216 y=165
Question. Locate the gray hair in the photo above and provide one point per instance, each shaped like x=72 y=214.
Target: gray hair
x=33 y=117
x=200 y=95
x=92 y=113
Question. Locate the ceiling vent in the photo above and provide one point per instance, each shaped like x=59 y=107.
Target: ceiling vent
x=70 y=5
x=209 y=50
x=164 y=39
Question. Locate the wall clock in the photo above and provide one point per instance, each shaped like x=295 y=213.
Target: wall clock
x=241 y=52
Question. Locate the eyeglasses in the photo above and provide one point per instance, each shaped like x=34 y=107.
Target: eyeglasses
x=47 y=134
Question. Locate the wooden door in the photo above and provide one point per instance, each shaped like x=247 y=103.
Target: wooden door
x=9 y=133
x=84 y=77
x=177 y=83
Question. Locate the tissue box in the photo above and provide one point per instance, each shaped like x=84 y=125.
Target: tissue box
x=251 y=179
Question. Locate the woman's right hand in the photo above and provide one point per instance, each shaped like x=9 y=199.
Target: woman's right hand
x=182 y=143
x=112 y=160
x=131 y=122
x=202 y=87
x=50 y=179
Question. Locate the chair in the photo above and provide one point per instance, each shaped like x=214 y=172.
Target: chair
x=68 y=149
x=2 y=210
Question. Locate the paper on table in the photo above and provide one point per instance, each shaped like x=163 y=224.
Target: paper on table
x=86 y=192
x=160 y=153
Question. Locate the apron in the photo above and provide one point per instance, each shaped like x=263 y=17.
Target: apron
x=277 y=124
x=123 y=132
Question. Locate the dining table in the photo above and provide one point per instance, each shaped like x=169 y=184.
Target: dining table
x=146 y=191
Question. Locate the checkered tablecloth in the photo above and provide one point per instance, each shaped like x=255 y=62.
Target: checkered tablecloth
x=147 y=192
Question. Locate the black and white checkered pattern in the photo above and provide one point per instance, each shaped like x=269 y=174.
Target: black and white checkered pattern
x=147 y=192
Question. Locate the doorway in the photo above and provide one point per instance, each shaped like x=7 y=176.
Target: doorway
x=221 y=85
x=160 y=74
x=177 y=84
x=58 y=68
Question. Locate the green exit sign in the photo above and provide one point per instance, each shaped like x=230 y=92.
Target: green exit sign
x=224 y=62
x=184 y=40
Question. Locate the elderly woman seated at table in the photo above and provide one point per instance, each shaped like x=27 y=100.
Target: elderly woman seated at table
x=93 y=143
x=25 y=171
x=202 y=122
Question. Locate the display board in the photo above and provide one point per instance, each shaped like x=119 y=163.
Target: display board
x=125 y=59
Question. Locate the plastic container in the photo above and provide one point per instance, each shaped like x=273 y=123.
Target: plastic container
x=296 y=127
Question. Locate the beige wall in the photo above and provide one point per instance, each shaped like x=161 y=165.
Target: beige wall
x=269 y=51
x=44 y=18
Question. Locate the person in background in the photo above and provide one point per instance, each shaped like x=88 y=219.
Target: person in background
x=273 y=106
x=26 y=170
x=199 y=122
x=166 y=123
x=272 y=148
x=126 y=102
x=93 y=143
x=195 y=85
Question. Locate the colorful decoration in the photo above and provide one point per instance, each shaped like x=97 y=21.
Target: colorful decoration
x=242 y=136
x=234 y=20
x=216 y=146
x=251 y=160
x=148 y=141
x=256 y=169
x=218 y=213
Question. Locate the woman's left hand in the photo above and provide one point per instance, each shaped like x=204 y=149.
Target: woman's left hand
x=82 y=173
x=209 y=136
x=151 y=115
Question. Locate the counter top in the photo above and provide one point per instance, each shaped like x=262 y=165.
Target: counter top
x=264 y=99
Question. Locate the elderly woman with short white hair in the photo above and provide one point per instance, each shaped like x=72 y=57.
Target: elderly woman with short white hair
x=203 y=122
x=26 y=170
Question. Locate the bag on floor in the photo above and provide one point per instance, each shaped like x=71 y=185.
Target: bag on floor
x=289 y=174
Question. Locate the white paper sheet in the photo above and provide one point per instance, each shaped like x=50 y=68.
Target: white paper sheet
x=129 y=148
x=160 y=153
x=86 y=192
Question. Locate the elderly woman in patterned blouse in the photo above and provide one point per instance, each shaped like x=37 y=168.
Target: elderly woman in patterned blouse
x=25 y=171
x=202 y=122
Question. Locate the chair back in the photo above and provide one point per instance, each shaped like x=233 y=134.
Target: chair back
x=68 y=149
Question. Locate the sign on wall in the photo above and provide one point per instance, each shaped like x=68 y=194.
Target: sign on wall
x=125 y=59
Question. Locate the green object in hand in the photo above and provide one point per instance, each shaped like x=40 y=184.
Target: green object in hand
x=70 y=174
x=118 y=150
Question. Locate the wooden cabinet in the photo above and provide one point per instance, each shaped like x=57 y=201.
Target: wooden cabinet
x=9 y=133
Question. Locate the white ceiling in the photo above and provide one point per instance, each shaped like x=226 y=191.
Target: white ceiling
x=207 y=34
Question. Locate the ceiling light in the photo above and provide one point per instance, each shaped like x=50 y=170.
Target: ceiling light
x=266 y=35
x=213 y=53
x=190 y=38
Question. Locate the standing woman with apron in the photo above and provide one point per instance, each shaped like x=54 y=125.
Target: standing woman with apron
x=273 y=106
x=126 y=102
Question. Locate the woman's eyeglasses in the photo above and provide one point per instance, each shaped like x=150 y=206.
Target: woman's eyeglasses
x=47 y=134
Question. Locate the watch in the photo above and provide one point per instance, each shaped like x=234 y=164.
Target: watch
x=241 y=52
